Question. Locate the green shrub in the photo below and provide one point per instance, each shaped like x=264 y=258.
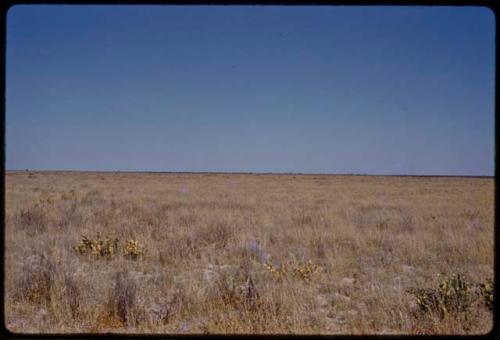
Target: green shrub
x=106 y=247
x=132 y=250
x=99 y=246
x=454 y=295
x=486 y=290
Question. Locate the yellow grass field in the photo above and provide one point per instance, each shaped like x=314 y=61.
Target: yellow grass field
x=246 y=253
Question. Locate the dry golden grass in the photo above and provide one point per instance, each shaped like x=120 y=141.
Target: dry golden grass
x=220 y=253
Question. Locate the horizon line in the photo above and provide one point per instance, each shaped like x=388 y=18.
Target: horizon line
x=251 y=173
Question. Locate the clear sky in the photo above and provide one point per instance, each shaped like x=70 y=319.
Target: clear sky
x=373 y=90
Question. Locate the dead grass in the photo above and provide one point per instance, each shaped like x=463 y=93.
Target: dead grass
x=219 y=253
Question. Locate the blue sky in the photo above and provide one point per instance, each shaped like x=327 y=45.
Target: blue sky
x=373 y=90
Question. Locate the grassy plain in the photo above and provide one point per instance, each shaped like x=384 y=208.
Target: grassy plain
x=241 y=253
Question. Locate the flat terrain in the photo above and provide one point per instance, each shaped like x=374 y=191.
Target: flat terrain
x=242 y=253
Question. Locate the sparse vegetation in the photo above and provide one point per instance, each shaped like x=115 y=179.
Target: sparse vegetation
x=276 y=254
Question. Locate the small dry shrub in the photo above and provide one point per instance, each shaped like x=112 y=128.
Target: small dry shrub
x=37 y=279
x=69 y=196
x=302 y=217
x=408 y=223
x=105 y=322
x=33 y=219
x=302 y=270
x=218 y=233
x=122 y=300
x=132 y=250
x=72 y=293
x=279 y=272
x=319 y=245
x=69 y=214
x=305 y=271
x=45 y=198
x=181 y=248
x=255 y=251
x=381 y=217
x=92 y=198
x=238 y=306
x=177 y=303
x=236 y=290
x=487 y=292
x=105 y=214
x=187 y=219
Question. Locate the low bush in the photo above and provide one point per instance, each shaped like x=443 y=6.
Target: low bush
x=99 y=246
x=304 y=271
x=454 y=295
x=33 y=219
x=106 y=247
x=132 y=250
x=122 y=301
x=486 y=290
x=37 y=279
